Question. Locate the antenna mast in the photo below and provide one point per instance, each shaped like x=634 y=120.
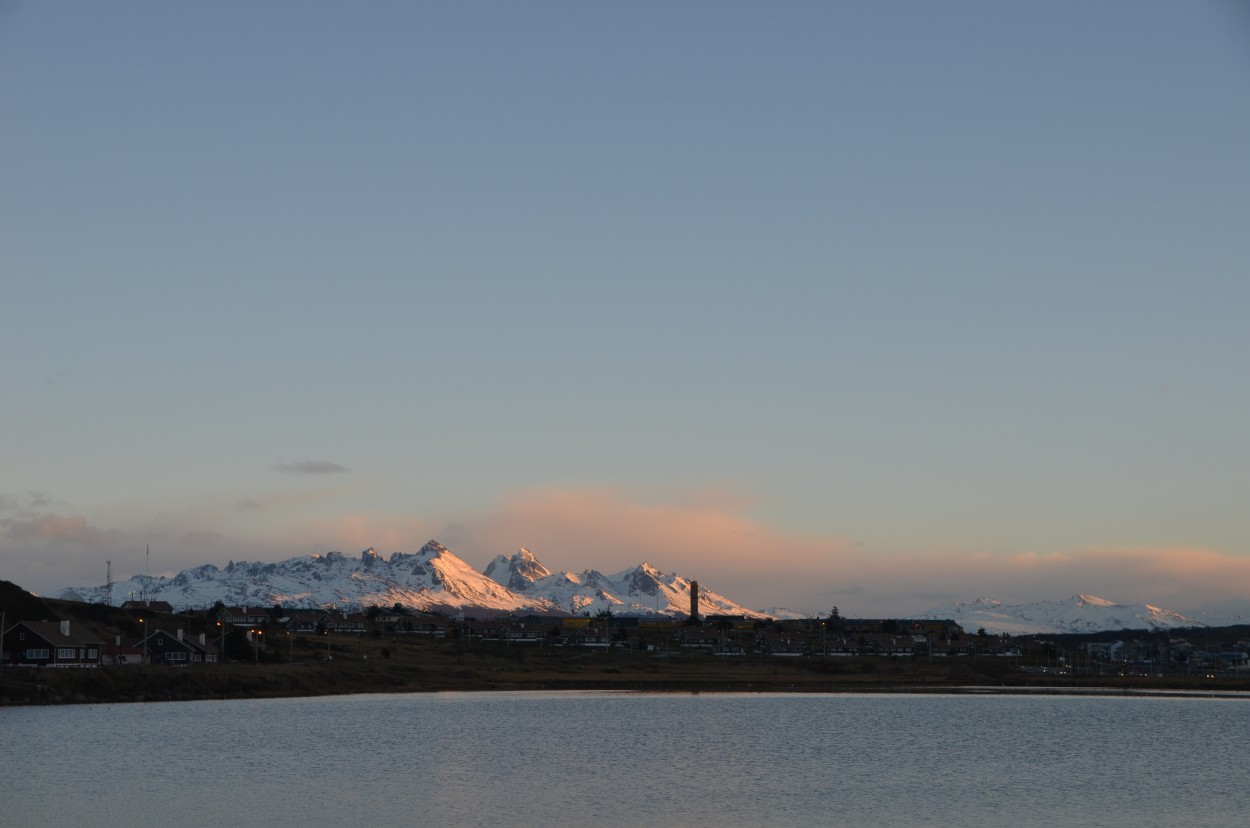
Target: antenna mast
x=108 y=583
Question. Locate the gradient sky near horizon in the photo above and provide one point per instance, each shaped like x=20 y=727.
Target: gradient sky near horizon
x=875 y=305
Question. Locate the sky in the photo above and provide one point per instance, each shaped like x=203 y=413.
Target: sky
x=874 y=305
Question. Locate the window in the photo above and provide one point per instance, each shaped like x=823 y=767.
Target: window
x=92 y=653
x=66 y=653
x=175 y=656
x=30 y=654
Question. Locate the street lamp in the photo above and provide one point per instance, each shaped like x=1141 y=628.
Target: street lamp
x=144 y=621
x=221 y=643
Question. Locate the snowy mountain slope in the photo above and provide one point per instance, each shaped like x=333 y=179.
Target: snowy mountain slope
x=432 y=579
x=1078 y=614
x=786 y=614
x=1227 y=613
x=640 y=590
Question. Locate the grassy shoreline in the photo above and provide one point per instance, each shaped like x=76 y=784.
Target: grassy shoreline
x=363 y=665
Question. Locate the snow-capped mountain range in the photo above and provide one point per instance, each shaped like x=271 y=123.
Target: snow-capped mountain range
x=433 y=578
x=1078 y=614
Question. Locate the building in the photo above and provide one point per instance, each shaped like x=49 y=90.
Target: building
x=244 y=616
x=49 y=644
x=178 y=650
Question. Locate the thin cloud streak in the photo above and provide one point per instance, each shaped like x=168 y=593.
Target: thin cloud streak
x=303 y=467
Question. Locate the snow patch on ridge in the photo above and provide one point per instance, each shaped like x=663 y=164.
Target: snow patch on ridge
x=1079 y=614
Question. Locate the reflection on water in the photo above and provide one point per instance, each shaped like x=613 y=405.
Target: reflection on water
x=608 y=759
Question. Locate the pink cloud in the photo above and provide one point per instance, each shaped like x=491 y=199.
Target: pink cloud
x=711 y=536
x=53 y=528
x=702 y=535
x=1176 y=578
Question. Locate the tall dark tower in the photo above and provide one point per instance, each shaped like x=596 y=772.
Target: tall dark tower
x=694 y=600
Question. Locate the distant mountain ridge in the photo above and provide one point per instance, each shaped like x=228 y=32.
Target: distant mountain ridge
x=641 y=590
x=1078 y=614
x=434 y=578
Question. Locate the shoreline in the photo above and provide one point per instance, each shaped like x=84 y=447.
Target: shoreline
x=513 y=670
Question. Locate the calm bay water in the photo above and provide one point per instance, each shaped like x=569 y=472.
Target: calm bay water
x=609 y=759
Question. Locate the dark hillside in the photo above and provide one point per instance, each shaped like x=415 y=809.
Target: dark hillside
x=20 y=605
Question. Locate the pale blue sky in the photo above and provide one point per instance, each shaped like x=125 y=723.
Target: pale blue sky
x=895 y=289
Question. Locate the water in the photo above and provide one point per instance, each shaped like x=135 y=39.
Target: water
x=609 y=759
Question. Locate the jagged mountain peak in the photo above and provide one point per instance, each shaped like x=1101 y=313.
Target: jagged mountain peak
x=643 y=579
x=517 y=573
x=433 y=548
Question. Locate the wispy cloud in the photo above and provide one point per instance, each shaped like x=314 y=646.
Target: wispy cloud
x=49 y=551
x=28 y=503
x=54 y=528
x=312 y=467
